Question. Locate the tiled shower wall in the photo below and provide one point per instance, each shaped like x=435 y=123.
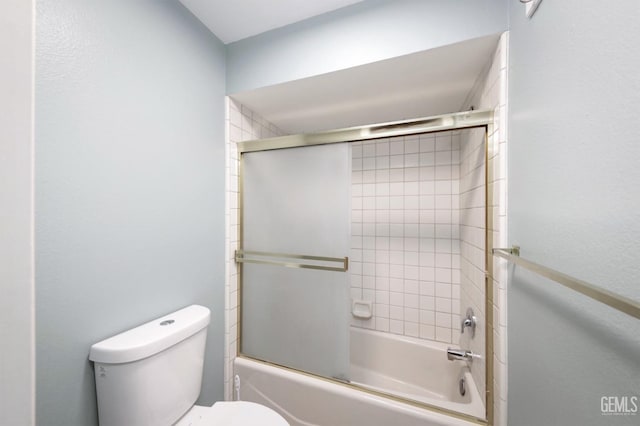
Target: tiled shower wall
x=241 y=124
x=405 y=247
x=491 y=92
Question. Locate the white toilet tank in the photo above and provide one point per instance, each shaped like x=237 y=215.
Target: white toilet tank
x=152 y=374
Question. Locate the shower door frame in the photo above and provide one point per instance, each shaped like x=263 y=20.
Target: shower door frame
x=435 y=124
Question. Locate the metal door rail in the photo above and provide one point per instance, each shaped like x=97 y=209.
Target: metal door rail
x=293 y=260
x=616 y=301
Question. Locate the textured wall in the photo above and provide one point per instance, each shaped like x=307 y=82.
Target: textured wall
x=129 y=186
x=365 y=32
x=573 y=206
x=16 y=213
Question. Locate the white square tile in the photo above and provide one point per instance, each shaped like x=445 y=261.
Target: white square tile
x=443 y=231
x=411 y=287
x=369 y=176
x=427 y=245
x=443 y=320
x=443 y=172
x=427 y=273
x=369 y=150
x=396 y=229
x=427 y=230
x=411 y=244
x=427 y=159
x=443 y=304
x=411 y=315
x=396 y=147
x=381 y=310
x=427 y=202
x=396 y=312
x=443 y=275
x=411 y=273
x=411 y=230
x=443 y=290
x=382 y=297
x=443 y=334
x=412 y=188
x=427 y=173
x=411 y=216
x=382 y=189
x=368 y=216
x=368 y=163
x=368 y=282
x=411 y=145
x=443 y=141
x=411 y=160
x=396 y=161
x=396 y=175
x=396 y=202
x=382 y=148
x=411 y=202
x=382 y=175
x=396 y=271
x=396 y=285
x=396 y=327
x=411 y=258
x=396 y=298
x=427 y=143
x=411 y=329
x=368 y=229
x=427 y=188
x=427 y=332
x=412 y=174
x=443 y=158
x=443 y=260
x=382 y=162
x=396 y=189
x=382 y=324
x=427 y=288
x=380 y=203
x=411 y=301
x=396 y=243
x=356 y=164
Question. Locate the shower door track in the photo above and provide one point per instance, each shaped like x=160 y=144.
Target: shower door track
x=440 y=123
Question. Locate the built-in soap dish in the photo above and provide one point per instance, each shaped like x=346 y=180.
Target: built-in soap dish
x=362 y=309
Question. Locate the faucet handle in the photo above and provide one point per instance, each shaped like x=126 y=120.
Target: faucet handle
x=470 y=321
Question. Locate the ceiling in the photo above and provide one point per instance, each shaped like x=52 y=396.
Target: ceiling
x=422 y=84
x=233 y=20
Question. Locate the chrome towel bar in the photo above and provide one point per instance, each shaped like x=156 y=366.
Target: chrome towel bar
x=293 y=260
x=616 y=301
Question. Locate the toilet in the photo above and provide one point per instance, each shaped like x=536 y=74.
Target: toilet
x=151 y=376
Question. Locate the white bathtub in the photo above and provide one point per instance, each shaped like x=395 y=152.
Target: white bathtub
x=305 y=400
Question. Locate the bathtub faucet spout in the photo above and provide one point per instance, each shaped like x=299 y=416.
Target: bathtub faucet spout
x=459 y=354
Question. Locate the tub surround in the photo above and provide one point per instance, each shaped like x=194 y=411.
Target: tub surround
x=488 y=92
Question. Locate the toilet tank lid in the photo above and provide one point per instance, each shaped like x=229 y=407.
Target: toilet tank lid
x=152 y=337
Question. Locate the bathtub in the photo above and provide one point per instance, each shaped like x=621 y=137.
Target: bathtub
x=305 y=400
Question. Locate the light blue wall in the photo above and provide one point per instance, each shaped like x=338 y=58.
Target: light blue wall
x=574 y=182
x=363 y=33
x=129 y=186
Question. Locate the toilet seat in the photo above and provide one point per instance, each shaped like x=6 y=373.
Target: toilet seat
x=236 y=413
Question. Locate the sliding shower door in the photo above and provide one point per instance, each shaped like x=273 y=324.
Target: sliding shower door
x=295 y=239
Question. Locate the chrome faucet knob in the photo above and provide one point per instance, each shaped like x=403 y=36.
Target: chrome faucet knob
x=470 y=321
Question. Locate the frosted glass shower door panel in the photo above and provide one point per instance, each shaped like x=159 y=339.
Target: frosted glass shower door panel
x=297 y=201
